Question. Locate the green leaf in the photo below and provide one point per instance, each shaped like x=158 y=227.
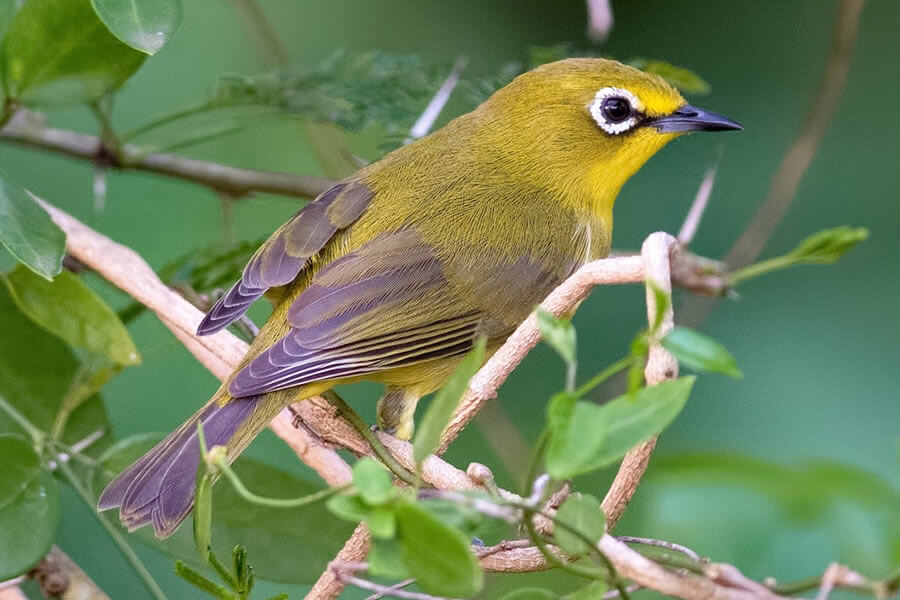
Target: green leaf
x=69 y=309
x=529 y=594
x=595 y=590
x=386 y=560
x=584 y=513
x=28 y=232
x=824 y=247
x=203 y=511
x=828 y=246
x=700 y=352
x=29 y=507
x=559 y=333
x=273 y=537
x=201 y=582
x=445 y=402
x=438 y=556
x=382 y=523
x=145 y=25
x=372 y=481
x=597 y=436
x=685 y=80
x=37 y=373
x=350 y=507
x=560 y=410
x=59 y=52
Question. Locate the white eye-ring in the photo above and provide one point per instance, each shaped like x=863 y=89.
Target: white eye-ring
x=615 y=110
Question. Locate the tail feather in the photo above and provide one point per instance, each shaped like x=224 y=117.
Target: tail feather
x=159 y=487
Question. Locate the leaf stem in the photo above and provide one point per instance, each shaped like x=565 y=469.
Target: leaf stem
x=36 y=434
x=249 y=496
x=761 y=268
x=117 y=537
x=365 y=431
x=590 y=384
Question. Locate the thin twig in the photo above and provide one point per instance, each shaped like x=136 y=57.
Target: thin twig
x=390 y=589
x=698 y=207
x=386 y=590
x=426 y=120
x=234 y=181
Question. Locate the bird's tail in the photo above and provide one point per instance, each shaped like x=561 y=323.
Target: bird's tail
x=158 y=488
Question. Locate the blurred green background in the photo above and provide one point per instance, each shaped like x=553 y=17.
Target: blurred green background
x=818 y=345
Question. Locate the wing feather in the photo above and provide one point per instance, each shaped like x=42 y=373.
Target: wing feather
x=281 y=258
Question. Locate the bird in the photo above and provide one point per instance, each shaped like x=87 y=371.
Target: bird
x=392 y=274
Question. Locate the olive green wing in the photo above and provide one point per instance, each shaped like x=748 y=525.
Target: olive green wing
x=386 y=305
x=281 y=258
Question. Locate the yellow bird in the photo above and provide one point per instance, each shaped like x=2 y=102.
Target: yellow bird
x=391 y=274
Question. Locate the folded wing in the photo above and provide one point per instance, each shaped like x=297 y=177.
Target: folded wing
x=281 y=258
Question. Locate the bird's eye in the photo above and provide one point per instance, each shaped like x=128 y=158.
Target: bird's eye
x=616 y=109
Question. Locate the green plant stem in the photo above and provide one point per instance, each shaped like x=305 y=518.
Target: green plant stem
x=249 y=496
x=168 y=118
x=117 y=537
x=590 y=384
x=37 y=436
x=551 y=558
x=540 y=447
x=761 y=268
x=365 y=431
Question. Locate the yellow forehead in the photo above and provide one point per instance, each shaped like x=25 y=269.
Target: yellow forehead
x=581 y=78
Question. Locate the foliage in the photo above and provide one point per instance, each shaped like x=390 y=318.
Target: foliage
x=27 y=231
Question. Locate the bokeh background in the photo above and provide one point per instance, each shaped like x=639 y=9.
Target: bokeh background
x=734 y=477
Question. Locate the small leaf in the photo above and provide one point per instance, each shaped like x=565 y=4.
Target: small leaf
x=559 y=333
x=372 y=481
x=698 y=351
x=385 y=559
x=145 y=25
x=633 y=420
x=28 y=232
x=597 y=436
x=595 y=590
x=29 y=507
x=560 y=410
x=382 y=523
x=58 y=52
x=350 y=507
x=69 y=309
x=200 y=581
x=438 y=556
x=445 y=402
x=584 y=513
x=529 y=594
x=661 y=301
x=685 y=80
x=828 y=246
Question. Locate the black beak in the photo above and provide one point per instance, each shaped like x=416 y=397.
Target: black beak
x=691 y=118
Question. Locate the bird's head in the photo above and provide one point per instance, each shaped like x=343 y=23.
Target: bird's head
x=589 y=122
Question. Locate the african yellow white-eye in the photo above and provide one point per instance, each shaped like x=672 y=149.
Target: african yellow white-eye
x=392 y=274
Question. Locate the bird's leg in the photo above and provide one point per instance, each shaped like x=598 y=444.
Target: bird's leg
x=396 y=410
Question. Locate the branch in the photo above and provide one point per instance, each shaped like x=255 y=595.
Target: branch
x=220 y=353
x=234 y=181
x=223 y=351
x=797 y=159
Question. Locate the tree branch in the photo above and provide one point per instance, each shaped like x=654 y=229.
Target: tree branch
x=223 y=351
x=234 y=181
